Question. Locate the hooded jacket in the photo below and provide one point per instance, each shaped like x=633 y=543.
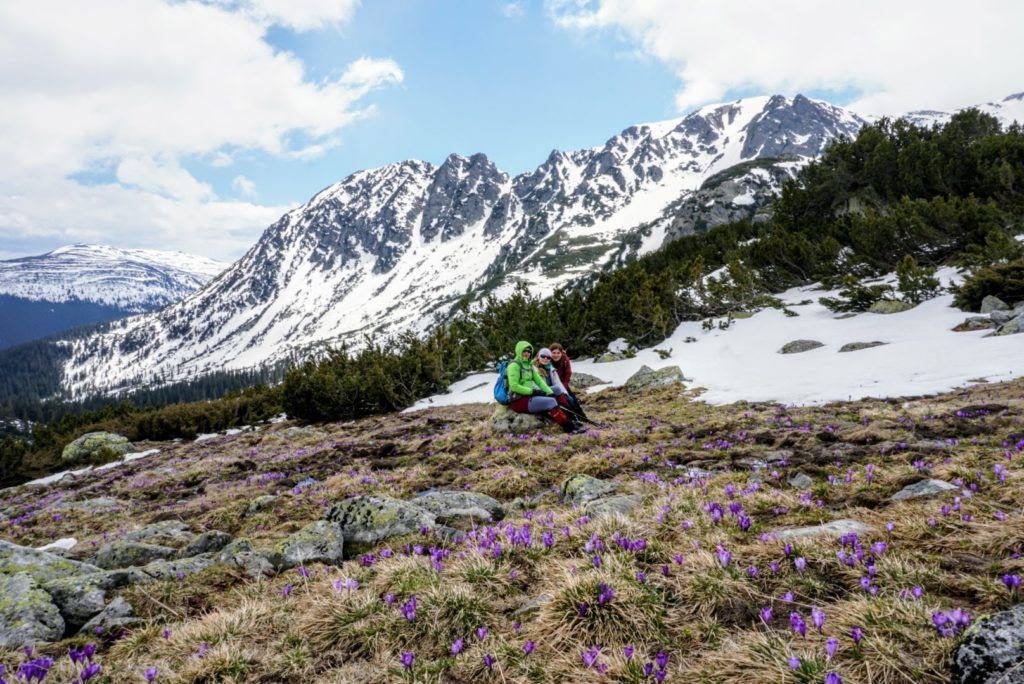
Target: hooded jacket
x=522 y=376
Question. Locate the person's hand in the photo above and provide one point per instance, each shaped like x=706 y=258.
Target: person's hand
x=539 y=393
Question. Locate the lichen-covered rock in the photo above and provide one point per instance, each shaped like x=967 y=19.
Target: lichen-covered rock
x=923 y=488
x=800 y=481
x=647 y=378
x=166 y=533
x=94 y=505
x=800 y=346
x=207 y=542
x=260 y=503
x=1013 y=326
x=42 y=566
x=118 y=615
x=77 y=598
x=171 y=569
x=836 y=528
x=449 y=505
x=241 y=554
x=580 y=381
x=126 y=554
x=857 y=346
x=992 y=650
x=992 y=303
x=93 y=443
x=27 y=615
x=619 y=504
x=579 y=489
x=366 y=520
x=889 y=306
x=610 y=356
x=318 y=542
x=506 y=420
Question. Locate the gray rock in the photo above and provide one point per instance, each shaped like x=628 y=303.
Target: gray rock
x=366 y=520
x=620 y=504
x=608 y=357
x=992 y=650
x=992 y=303
x=1000 y=317
x=579 y=489
x=118 y=615
x=126 y=554
x=505 y=420
x=889 y=306
x=296 y=432
x=1012 y=327
x=94 y=443
x=235 y=547
x=857 y=346
x=171 y=569
x=928 y=487
x=975 y=323
x=208 y=542
x=799 y=346
x=836 y=528
x=253 y=564
x=260 y=503
x=92 y=505
x=166 y=532
x=448 y=505
x=27 y=615
x=318 y=542
x=583 y=381
x=43 y=566
x=77 y=598
x=800 y=481
x=122 y=577
x=533 y=605
x=647 y=379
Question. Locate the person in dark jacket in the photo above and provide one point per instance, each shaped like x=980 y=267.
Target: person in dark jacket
x=528 y=391
x=563 y=367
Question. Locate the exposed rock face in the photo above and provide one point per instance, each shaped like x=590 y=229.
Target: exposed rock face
x=243 y=556
x=78 y=598
x=366 y=520
x=923 y=488
x=992 y=650
x=452 y=505
x=647 y=378
x=124 y=554
x=92 y=443
x=799 y=346
x=889 y=306
x=27 y=615
x=505 y=420
x=992 y=303
x=318 y=542
x=579 y=489
x=836 y=528
x=857 y=346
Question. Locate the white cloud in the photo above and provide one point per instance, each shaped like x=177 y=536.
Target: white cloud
x=137 y=87
x=512 y=9
x=899 y=56
x=244 y=186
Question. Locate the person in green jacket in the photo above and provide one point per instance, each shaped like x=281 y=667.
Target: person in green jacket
x=530 y=394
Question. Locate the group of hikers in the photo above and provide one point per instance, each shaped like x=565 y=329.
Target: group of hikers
x=539 y=384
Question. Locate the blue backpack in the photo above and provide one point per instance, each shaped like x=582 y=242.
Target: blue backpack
x=501 y=385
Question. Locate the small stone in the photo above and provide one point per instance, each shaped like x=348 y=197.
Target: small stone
x=580 y=381
x=857 y=346
x=800 y=481
x=27 y=614
x=928 y=487
x=836 y=528
x=991 y=652
x=889 y=306
x=800 y=346
x=116 y=616
x=992 y=303
x=260 y=503
x=534 y=604
x=579 y=489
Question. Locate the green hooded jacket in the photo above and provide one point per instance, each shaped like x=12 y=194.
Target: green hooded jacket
x=523 y=376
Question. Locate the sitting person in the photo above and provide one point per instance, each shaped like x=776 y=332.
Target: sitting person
x=530 y=394
x=547 y=371
x=563 y=369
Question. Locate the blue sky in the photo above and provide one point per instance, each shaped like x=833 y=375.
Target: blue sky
x=194 y=124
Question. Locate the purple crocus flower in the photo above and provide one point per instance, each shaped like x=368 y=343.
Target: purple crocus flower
x=794 y=663
x=628 y=652
x=1012 y=582
x=481 y=633
x=89 y=671
x=408 y=657
x=590 y=656
x=796 y=621
x=528 y=647
x=857 y=634
x=831 y=646
x=833 y=678
x=489 y=661
x=150 y=674
x=35 y=669
x=800 y=563
x=724 y=556
x=661 y=660
x=409 y=609
x=287 y=590
x=457 y=646
x=766 y=614
x=818 y=618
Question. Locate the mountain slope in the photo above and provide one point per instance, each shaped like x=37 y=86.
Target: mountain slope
x=391 y=249
x=80 y=284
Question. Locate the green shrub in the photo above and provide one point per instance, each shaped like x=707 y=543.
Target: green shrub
x=856 y=296
x=1005 y=281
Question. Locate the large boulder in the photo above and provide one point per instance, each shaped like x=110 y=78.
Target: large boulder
x=42 y=566
x=992 y=650
x=800 y=346
x=580 y=381
x=928 y=487
x=579 y=489
x=506 y=420
x=93 y=444
x=126 y=554
x=619 y=504
x=857 y=346
x=318 y=542
x=77 y=598
x=207 y=542
x=366 y=520
x=449 y=506
x=647 y=378
x=170 y=569
x=241 y=554
x=889 y=306
x=836 y=528
x=1012 y=327
x=992 y=303
x=27 y=615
